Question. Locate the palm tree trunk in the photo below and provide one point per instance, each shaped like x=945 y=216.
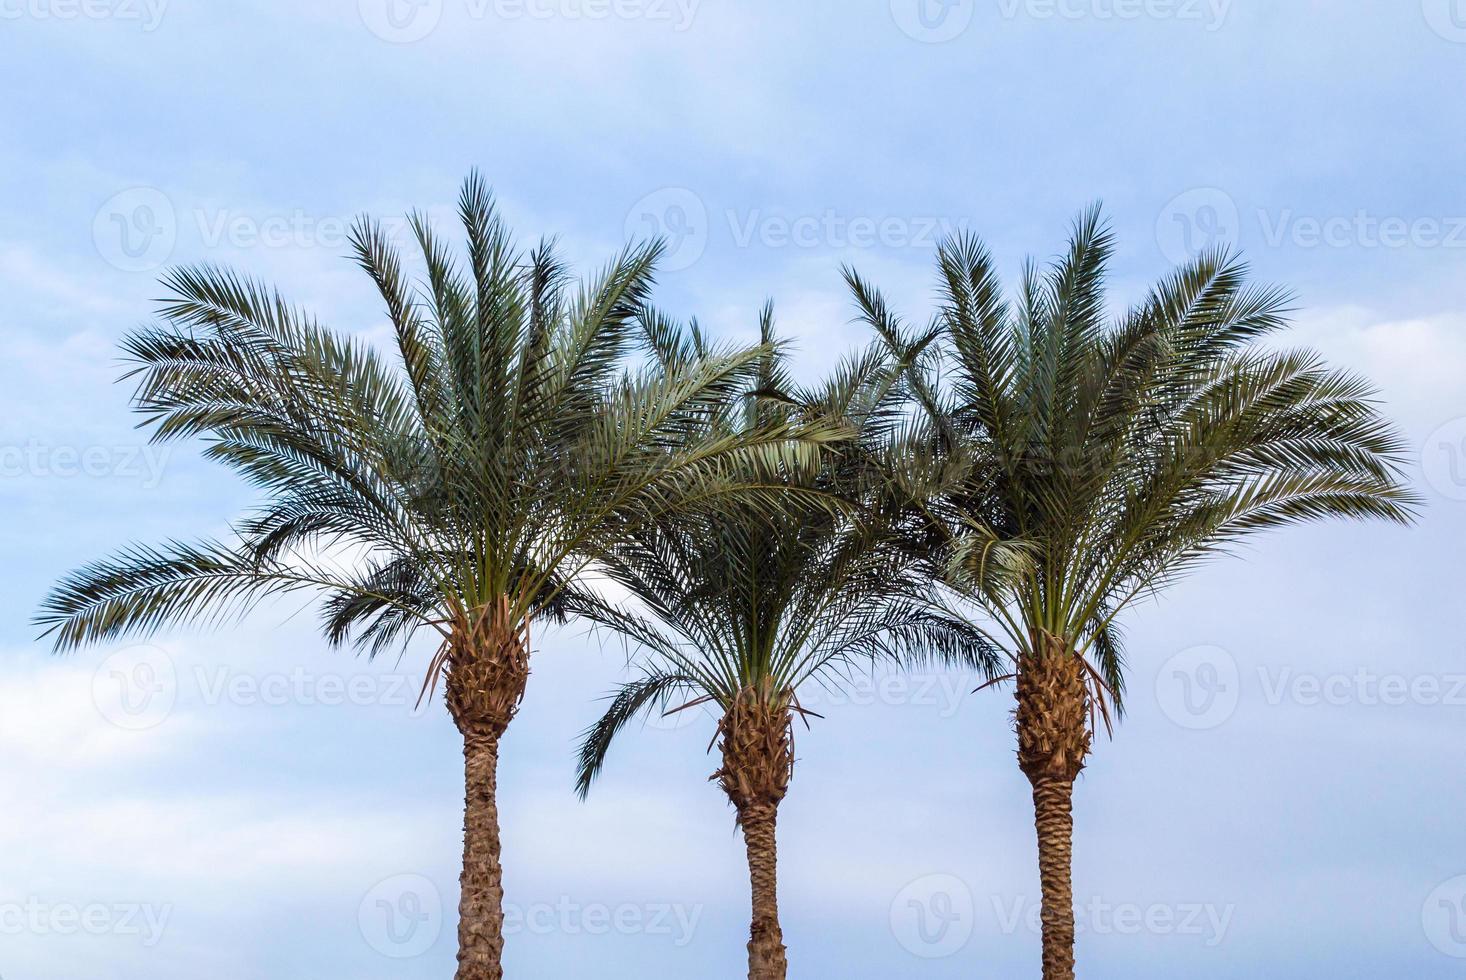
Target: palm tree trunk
x=766 y=957
x=1053 y=817
x=758 y=760
x=481 y=907
x=488 y=667
x=1052 y=721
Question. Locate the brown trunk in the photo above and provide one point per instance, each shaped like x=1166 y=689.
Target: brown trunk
x=1052 y=719
x=488 y=667
x=766 y=958
x=481 y=907
x=1054 y=819
x=758 y=759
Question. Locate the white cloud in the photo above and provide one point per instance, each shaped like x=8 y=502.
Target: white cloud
x=24 y=270
x=1418 y=364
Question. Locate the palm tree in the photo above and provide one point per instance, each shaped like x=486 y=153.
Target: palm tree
x=458 y=491
x=1079 y=462
x=750 y=605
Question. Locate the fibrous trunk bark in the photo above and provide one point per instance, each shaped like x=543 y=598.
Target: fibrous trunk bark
x=1054 y=819
x=487 y=664
x=1052 y=720
x=766 y=955
x=757 y=743
x=481 y=905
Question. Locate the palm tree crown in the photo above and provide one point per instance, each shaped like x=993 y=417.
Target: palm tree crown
x=752 y=601
x=748 y=605
x=459 y=490
x=1079 y=462
x=1076 y=462
x=511 y=441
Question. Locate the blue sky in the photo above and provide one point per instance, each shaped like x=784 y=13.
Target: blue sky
x=1284 y=798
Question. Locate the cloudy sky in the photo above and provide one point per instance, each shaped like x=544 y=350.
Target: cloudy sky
x=1285 y=798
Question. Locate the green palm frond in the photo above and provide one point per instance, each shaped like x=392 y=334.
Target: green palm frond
x=748 y=597
x=1069 y=462
x=515 y=436
x=655 y=691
